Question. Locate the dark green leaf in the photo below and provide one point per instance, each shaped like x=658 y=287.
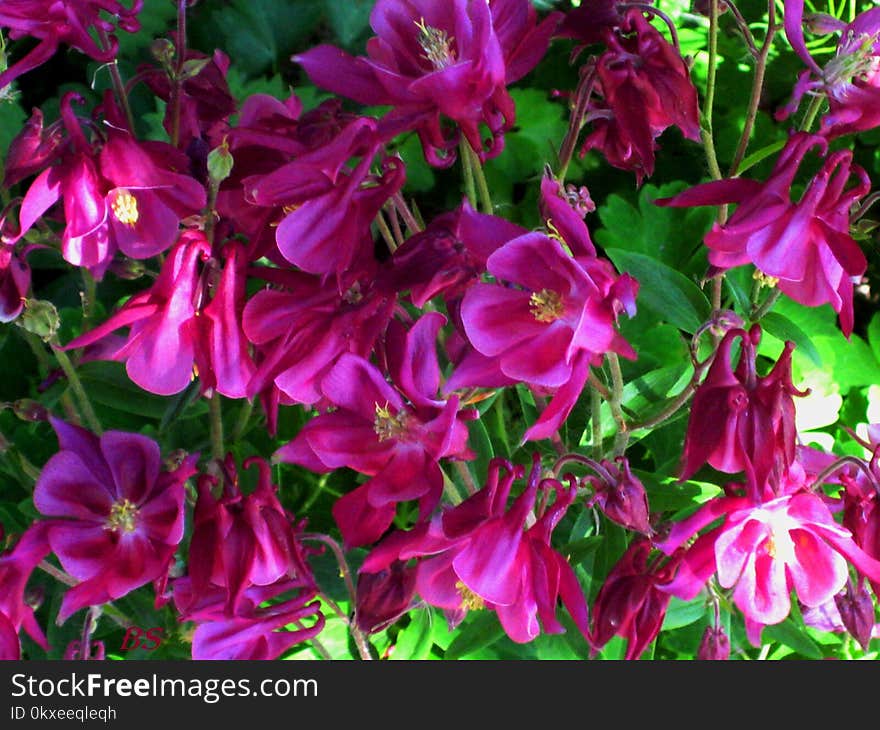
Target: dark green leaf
x=783 y=328
x=474 y=634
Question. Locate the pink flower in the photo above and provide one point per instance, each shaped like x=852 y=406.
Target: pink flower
x=630 y=602
x=384 y=596
x=619 y=494
x=395 y=436
x=765 y=551
x=430 y=60
x=480 y=554
x=741 y=421
x=239 y=540
x=806 y=245
x=70 y=22
x=115 y=517
x=175 y=331
x=850 y=80
x=16 y=567
x=645 y=87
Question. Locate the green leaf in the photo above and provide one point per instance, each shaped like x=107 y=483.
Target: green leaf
x=783 y=328
x=350 y=20
x=478 y=633
x=663 y=290
x=683 y=613
x=416 y=640
x=793 y=637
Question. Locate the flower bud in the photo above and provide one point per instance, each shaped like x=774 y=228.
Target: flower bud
x=714 y=645
x=28 y=409
x=40 y=317
x=383 y=597
x=857 y=612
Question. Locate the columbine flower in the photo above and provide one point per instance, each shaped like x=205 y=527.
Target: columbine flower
x=546 y=320
x=804 y=246
x=479 y=554
x=619 y=494
x=16 y=567
x=54 y=22
x=646 y=88
x=115 y=517
x=175 y=331
x=384 y=596
x=630 y=603
x=240 y=540
x=741 y=421
x=432 y=59
x=764 y=551
x=395 y=436
x=850 y=80
x=715 y=644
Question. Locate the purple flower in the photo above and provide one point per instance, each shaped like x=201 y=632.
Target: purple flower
x=16 y=567
x=394 y=436
x=645 y=87
x=620 y=495
x=715 y=645
x=384 y=596
x=481 y=554
x=70 y=22
x=741 y=421
x=547 y=318
x=805 y=245
x=239 y=540
x=430 y=60
x=115 y=517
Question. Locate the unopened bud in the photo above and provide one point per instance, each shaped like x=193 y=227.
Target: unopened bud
x=40 y=317
x=856 y=610
x=714 y=645
x=822 y=23
x=127 y=268
x=163 y=51
x=28 y=409
x=192 y=68
x=220 y=163
x=34 y=596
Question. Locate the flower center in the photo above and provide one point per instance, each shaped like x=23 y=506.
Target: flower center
x=765 y=279
x=436 y=45
x=469 y=600
x=125 y=208
x=855 y=60
x=122 y=516
x=546 y=305
x=388 y=425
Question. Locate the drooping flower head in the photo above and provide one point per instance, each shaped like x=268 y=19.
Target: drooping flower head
x=741 y=421
x=850 y=79
x=805 y=246
x=480 y=554
x=114 y=516
x=68 y=22
x=432 y=60
x=16 y=567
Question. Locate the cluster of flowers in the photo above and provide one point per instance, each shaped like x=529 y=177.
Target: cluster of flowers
x=392 y=351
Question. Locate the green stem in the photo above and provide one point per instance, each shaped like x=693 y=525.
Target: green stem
x=467 y=173
x=385 y=232
x=244 y=415
x=757 y=89
x=706 y=125
x=812 y=112
x=596 y=422
x=118 y=83
x=482 y=185
x=82 y=397
x=622 y=436
x=465 y=473
x=88 y=298
x=758 y=313
x=216 y=413
x=38 y=347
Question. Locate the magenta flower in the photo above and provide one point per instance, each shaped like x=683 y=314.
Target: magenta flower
x=15 y=281
x=743 y=422
x=806 y=245
x=16 y=567
x=850 y=80
x=174 y=331
x=384 y=596
x=68 y=22
x=646 y=88
x=619 y=494
x=34 y=147
x=125 y=197
x=479 y=554
x=563 y=211
x=547 y=318
x=764 y=551
x=630 y=602
x=259 y=630
x=115 y=517
x=394 y=436
x=715 y=645
x=238 y=540
x=431 y=60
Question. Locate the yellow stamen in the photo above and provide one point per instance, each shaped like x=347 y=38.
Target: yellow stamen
x=436 y=45
x=122 y=516
x=469 y=600
x=765 y=279
x=388 y=426
x=546 y=305
x=125 y=208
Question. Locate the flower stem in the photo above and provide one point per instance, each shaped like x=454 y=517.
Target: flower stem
x=482 y=185
x=244 y=415
x=216 y=413
x=615 y=402
x=467 y=173
x=706 y=125
x=596 y=422
x=812 y=112
x=118 y=84
x=85 y=405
